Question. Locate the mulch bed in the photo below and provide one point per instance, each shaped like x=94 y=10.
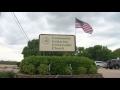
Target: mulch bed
x=60 y=76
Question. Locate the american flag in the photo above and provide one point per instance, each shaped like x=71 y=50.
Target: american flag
x=85 y=26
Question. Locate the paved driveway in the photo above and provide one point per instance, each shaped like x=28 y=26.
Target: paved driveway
x=109 y=73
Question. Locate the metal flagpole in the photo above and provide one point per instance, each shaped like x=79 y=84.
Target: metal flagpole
x=75 y=27
x=75 y=31
x=75 y=34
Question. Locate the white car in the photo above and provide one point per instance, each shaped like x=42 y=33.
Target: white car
x=15 y=67
x=101 y=64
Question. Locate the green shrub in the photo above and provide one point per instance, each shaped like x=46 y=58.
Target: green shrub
x=7 y=74
x=33 y=60
x=68 y=70
x=82 y=70
x=29 y=69
x=3 y=74
x=92 y=70
x=11 y=74
x=58 y=65
x=43 y=69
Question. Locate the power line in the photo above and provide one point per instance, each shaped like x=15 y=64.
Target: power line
x=21 y=28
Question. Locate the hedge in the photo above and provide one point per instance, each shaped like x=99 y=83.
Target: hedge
x=7 y=74
x=54 y=65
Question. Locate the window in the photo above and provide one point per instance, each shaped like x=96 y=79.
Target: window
x=99 y=62
x=113 y=60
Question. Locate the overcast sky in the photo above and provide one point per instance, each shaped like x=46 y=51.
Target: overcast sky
x=106 y=30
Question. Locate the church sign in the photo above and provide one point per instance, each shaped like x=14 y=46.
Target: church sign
x=56 y=42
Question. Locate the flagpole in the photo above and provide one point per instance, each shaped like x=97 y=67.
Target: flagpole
x=75 y=28
x=75 y=34
x=75 y=31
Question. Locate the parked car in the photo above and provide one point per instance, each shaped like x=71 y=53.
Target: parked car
x=4 y=67
x=105 y=64
x=101 y=64
x=15 y=67
x=113 y=63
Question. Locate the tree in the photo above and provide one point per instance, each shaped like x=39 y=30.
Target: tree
x=116 y=53
x=32 y=49
x=18 y=64
x=80 y=51
x=98 y=53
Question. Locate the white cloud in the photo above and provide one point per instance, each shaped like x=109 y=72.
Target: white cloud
x=7 y=53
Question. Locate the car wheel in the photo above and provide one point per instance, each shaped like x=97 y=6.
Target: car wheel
x=98 y=66
x=116 y=67
x=110 y=67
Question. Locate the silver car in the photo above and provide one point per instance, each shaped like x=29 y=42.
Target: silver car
x=101 y=64
x=15 y=67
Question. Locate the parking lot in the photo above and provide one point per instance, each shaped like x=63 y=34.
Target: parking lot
x=109 y=73
x=8 y=68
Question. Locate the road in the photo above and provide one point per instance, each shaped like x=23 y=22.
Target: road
x=9 y=69
x=109 y=73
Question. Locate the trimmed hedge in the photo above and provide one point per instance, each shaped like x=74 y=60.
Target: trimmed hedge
x=7 y=74
x=82 y=70
x=43 y=69
x=44 y=65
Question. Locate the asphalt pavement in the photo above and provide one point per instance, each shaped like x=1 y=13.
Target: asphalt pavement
x=109 y=73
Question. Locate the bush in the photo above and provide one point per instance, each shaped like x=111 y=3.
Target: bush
x=92 y=70
x=58 y=65
x=82 y=70
x=7 y=74
x=11 y=74
x=68 y=70
x=3 y=74
x=43 y=69
x=28 y=69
